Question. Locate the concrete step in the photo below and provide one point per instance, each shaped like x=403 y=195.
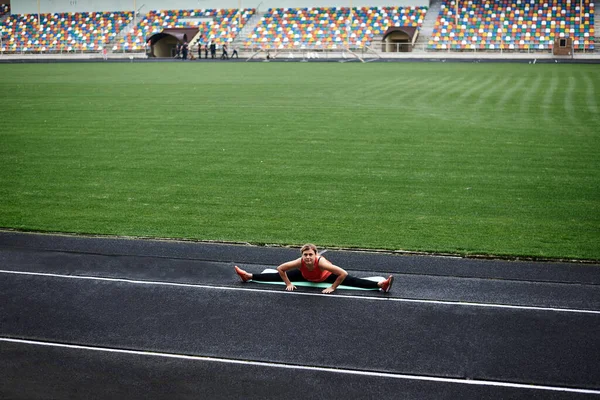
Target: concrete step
x=427 y=27
x=247 y=30
x=127 y=29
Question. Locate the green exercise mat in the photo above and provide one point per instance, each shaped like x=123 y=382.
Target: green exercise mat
x=319 y=284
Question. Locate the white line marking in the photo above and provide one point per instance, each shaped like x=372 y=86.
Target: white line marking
x=283 y=292
x=305 y=367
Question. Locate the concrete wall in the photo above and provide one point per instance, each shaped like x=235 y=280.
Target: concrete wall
x=51 y=6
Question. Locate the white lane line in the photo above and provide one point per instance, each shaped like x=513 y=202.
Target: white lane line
x=382 y=297
x=305 y=367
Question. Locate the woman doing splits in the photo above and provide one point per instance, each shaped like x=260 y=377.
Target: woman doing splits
x=313 y=267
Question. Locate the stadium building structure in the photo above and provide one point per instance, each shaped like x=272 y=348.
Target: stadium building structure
x=381 y=28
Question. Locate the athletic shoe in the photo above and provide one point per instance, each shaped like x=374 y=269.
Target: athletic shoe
x=241 y=273
x=387 y=284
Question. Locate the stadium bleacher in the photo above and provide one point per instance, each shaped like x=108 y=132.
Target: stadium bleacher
x=218 y=26
x=62 y=32
x=513 y=25
x=285 y=28
x=486 y=25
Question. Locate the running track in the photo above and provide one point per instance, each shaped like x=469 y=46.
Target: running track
x=119 y=318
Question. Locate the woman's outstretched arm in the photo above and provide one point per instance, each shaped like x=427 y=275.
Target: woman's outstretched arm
x=283 y=268
x=334 y=269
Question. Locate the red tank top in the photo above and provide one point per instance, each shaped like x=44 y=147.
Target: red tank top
x=316 y=275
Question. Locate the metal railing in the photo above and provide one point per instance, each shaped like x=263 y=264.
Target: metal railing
x=54 y=50
x=532 y=49
x=383 y=49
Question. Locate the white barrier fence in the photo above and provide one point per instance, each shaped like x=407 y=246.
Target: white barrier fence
x=382 y=50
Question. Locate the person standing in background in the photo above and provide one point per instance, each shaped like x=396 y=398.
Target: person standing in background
x=200 y=48
x=224 y=56
x=184 y=51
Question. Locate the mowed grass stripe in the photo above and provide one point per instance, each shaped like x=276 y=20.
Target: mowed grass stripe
x=493 y=90
x=508 y=101
x=569 y=108
x=400 y=87
x=467 y=96
x=286 y=153
x=456 y=90
x=591 y=93
x=531 y=95
x=437 y=86
x=550 y=96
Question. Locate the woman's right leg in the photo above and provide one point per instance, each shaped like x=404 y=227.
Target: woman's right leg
x=293 y=275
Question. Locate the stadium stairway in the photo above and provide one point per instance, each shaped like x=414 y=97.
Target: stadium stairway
x=427 y=28
x=248 y=29
x=2 y=35
x=4 y=14
x=127 y=29
x=376 y=44
x=3 y=38
x=4 y=11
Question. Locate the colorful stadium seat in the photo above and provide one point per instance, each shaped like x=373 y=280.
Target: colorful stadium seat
x=331 y=27
x=63 y=32
x=520 y=25
x=219 y=26
x=513 y=24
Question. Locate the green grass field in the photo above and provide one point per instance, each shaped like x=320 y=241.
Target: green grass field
x=500 y=159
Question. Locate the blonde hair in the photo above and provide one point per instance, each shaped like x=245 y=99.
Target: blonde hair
x=309 y=246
